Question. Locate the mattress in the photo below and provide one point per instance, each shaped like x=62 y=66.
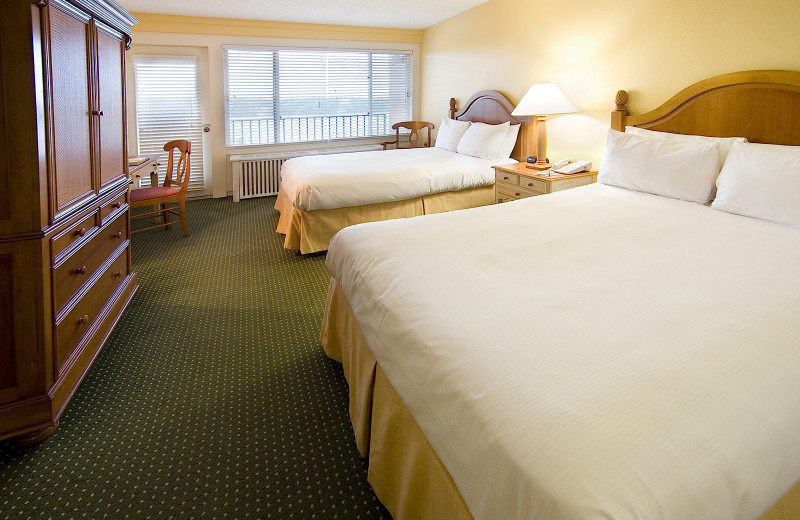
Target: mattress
x=356 y=179
x=594 y=353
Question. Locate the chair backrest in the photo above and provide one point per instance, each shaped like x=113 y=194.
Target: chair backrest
x=183 y=167
x=413 y=137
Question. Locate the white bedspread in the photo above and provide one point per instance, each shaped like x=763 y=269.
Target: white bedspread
x=354 y=179
x=591 y=354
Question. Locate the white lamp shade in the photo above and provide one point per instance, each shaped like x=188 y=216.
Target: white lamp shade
x=544 y=99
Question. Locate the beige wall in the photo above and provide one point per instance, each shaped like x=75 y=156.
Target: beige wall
x=205 y=38
x=591 y=49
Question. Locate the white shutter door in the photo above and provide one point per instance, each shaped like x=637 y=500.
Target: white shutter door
x=168 y=107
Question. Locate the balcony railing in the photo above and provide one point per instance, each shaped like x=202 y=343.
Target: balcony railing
x=299 y=129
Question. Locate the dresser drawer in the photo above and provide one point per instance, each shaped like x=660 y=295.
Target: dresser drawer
x=536 y=185
x=71 y=274
x=506 y=178
x=73 y=235
x=110 y=208
x=74 y=326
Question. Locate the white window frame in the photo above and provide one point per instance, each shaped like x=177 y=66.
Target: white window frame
x=413 y=52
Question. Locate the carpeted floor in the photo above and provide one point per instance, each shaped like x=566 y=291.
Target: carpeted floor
x=212 y=398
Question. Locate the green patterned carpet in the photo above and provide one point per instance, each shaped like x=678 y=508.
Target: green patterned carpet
x=213 y=397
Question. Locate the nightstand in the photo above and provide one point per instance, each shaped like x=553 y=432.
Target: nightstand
x=517 y=181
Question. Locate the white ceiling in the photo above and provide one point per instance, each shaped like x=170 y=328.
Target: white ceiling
x=405 y=14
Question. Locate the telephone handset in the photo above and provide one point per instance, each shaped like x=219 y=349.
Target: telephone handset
x=570 y=165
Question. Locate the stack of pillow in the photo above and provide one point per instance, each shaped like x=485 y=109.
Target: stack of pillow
x=755 y=180
x=477 y=139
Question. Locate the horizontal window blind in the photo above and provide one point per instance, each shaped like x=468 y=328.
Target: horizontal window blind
x=167 y=108
x=292 y=95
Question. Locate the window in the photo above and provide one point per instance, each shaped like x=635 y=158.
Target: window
x=168 y=107
x=293 y=96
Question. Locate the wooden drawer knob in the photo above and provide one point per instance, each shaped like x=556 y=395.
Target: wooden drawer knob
x=118 y=274
x=116 y=205
x=80 y=270
x=530 y=184
x=117 y=235
x=83 y=320
x=516 y=194
x=505 y=178
x=80 y=232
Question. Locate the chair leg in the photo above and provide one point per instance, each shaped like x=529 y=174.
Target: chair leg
x=165 y=215
x=182 y=213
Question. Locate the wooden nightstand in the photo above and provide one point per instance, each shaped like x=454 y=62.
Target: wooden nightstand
x=517 y=181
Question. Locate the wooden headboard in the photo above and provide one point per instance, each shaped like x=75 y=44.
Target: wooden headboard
x=492 y=107
x=761 y=105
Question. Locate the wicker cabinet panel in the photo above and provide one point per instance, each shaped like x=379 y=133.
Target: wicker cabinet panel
x=110 y=56
x=70 y=107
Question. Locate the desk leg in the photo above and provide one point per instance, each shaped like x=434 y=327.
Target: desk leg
x=154 y=184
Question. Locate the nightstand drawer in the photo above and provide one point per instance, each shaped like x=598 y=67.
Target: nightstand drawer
x=536 y=185
x=506 y=178
x=572 y=183
x=513 y=192
x=504 y=197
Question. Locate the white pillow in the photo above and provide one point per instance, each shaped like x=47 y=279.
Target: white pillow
x=482 y=140
x=450 y=132
x=678 y=169
x=510 y=140
x=761 y=181
x=723 y=144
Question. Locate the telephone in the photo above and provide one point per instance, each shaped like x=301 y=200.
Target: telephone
x=571 y=165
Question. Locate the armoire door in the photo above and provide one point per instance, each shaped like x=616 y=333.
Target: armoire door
x=70 y=132
x=110 y=65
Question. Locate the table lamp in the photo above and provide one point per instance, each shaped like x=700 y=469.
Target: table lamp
x=542 y=100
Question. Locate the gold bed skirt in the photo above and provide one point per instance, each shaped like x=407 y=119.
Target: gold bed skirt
x=404 y=471
x=311 y=231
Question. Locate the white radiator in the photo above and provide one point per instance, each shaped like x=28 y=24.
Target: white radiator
x=259 y=175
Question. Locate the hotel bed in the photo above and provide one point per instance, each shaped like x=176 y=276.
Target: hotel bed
x=319 y=195
x=635 y=357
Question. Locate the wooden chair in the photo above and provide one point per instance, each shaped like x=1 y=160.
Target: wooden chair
x=412 y=138
x=162 y=196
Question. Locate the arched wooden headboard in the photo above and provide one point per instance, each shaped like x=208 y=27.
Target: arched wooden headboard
x=761 y=105
x=492 y=107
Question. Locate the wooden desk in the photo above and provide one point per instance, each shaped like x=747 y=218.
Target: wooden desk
x=150 y=165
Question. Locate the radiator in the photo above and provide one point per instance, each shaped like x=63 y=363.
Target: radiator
x=259 y=175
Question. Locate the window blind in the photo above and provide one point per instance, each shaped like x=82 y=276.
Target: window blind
x=300 y=95
x=167 y=108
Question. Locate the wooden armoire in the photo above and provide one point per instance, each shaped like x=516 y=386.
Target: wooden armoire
x=65 y=270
